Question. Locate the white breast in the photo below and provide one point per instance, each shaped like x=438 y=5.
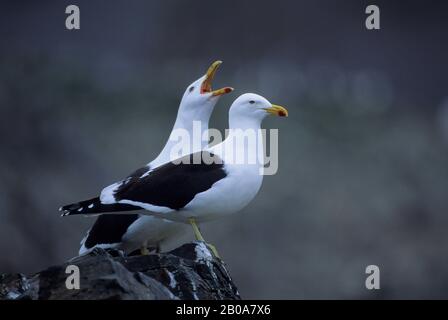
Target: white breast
x=230 y=194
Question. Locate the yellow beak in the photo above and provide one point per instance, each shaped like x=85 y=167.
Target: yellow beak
x=277 y=111
x=207 y=83
x=222 y=91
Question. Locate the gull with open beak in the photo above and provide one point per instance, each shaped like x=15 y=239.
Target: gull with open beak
x=129 y=232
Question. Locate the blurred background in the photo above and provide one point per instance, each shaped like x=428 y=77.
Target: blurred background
x=363 y=172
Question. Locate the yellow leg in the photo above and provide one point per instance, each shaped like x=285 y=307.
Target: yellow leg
x=199 y=237
x=144 y=249
x=197 y=232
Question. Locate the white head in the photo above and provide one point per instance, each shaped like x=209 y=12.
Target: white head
x=197 y=105
x=199 y=99
x=251 y=108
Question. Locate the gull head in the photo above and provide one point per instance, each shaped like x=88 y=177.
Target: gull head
x=199 y=97
x=251 y=106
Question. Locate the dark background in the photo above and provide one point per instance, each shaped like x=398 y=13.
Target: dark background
x=363 y=173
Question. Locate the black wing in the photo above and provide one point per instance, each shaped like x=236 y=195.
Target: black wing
x=94 y=205
x=109 y=229
x=134 y=176
x=175 y=185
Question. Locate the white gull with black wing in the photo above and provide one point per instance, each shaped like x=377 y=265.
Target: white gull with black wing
x=224 y=180
x=129 y=232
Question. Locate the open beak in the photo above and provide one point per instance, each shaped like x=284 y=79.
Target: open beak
x=206 y=86
x=277 y=111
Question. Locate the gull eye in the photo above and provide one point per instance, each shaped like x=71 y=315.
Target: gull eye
x=251 y=101
x=191 y=89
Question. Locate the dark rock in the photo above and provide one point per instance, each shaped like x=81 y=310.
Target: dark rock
x=188 y=272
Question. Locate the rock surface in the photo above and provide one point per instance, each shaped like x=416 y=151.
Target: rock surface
x=188 y=272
